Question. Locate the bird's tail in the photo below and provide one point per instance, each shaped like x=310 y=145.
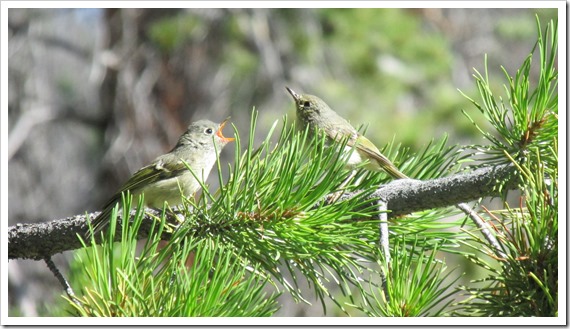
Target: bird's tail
x=385 y=164
x=102 y=220
x=392 y=170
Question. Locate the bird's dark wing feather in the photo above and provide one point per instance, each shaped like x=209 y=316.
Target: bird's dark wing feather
x=164 y=167
x=382 y=160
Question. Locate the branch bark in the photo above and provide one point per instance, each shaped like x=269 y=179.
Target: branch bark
x=402 y=197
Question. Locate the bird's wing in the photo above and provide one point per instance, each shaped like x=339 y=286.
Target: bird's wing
x=164 y=167
x=367 y=147
x=342 y=129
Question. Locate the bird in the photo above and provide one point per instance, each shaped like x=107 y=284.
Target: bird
x=166 y=178
x=313 y=113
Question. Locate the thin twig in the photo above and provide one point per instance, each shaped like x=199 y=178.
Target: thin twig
x=384 y=244
x=384 y=241
x=482 y=225
x=62 y=280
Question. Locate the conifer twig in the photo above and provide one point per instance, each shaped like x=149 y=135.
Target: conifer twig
x=384 y=239
x=384 y=244
x=68 y=290
x=484 y=227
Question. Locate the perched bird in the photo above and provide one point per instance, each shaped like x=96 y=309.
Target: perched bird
x=317 y=115
x=167 y=176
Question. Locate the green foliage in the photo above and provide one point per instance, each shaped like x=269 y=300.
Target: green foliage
x=529 y=119
x=416 y=284
x=181 y=277
x=525 y=281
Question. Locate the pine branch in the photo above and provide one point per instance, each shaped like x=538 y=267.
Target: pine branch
x=40 y=240
x=406 y=196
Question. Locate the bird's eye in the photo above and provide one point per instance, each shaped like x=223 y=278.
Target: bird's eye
x=209 y=131
x=307 y=104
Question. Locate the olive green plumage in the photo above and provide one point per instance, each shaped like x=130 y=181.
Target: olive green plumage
x=167 y=175
x=316 y=114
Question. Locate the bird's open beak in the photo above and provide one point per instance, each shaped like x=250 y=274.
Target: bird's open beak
x=294 y=94
x=221 y=135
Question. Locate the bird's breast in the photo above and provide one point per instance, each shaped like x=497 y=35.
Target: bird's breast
x=354 y=157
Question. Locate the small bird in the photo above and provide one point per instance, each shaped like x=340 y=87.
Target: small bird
x=167 y=176
x=317 y=115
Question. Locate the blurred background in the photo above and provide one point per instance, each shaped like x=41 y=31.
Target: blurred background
x=94 y=94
